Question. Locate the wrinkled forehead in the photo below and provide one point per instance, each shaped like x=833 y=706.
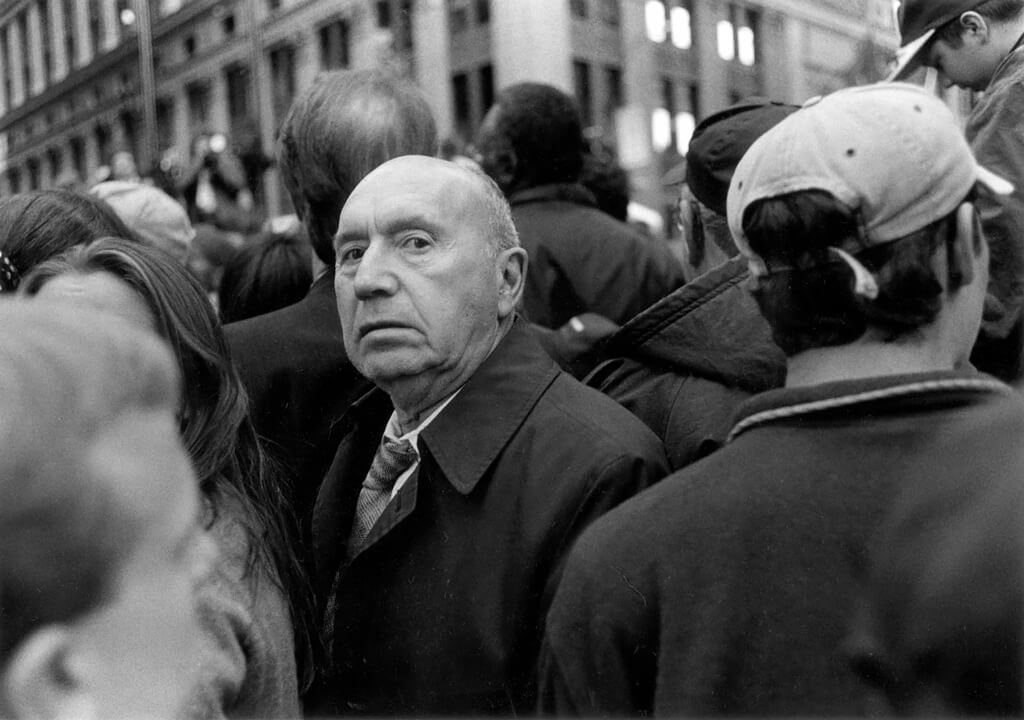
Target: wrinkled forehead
x=413 y=189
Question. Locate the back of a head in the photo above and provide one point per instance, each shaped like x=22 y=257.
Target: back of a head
x=38 y=225
x=66 y=375
x=345 y=125
x=269 y=272
x=841 y=208
x=542 y=125
x=155 y=216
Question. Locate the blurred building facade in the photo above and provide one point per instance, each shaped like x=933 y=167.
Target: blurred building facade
x=644 y=71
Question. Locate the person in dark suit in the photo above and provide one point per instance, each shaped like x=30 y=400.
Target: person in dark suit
x=581 y=259
x=462 y=481
x=292 y=361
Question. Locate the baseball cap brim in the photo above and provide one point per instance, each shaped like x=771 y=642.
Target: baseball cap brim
x=910 y=57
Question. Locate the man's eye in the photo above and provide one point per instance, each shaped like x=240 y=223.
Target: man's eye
x=418 y=242
x=351 y=254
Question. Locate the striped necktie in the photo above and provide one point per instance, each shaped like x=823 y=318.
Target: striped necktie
x=393 y=458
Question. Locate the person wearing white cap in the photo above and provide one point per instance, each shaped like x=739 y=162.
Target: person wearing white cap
x=728 y=587
x=979 y=45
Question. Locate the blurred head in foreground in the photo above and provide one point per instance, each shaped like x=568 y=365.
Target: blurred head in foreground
x=99 y=519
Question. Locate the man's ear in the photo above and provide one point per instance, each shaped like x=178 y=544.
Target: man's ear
x=40 y=681
x=964 y=250
x=511 y=268
x=506 y=168
x=974 y=28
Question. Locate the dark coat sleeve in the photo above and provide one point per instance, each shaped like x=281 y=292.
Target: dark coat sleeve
x=599 y=652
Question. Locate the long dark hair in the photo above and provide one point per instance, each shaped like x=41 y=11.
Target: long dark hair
x=214 y=416
x=36 y=226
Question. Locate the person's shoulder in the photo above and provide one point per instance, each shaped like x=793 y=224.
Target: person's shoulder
x=569 y=404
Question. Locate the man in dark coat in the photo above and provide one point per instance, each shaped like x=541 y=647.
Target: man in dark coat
x=293 y=360
x=581 y=260
x=729 y=587
x=685 y=364
x=439 y=545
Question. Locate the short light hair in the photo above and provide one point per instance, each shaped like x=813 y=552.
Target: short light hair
x=66 y=375
x=344 y=126
x=501 y=229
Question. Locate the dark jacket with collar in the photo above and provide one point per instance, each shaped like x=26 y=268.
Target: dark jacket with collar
x=684 y=365
x=441 y=610
x=729 y=588
x=300 y=381
x=583 y=260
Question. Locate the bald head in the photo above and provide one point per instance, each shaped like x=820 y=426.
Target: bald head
x=429 y=273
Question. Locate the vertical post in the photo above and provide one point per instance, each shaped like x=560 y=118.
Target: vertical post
x=264 y=120
x=148 y=82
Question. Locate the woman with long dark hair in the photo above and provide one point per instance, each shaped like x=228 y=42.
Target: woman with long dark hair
x=256 y=606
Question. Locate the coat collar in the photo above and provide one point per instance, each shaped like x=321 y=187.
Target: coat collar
x=566 y=192
x=466 y=438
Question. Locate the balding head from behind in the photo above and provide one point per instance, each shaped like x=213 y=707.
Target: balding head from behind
x=429 y=273
x=344 y=126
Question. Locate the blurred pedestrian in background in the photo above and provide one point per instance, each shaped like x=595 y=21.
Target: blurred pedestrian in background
x=272 y=270
x=152 y=214
x=255 y=606
x=99 y=521
x=581 y=260
x=979 y=45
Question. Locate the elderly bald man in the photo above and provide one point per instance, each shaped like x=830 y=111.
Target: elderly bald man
x=462 y=481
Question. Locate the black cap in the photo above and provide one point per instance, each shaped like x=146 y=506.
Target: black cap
x=719 y=142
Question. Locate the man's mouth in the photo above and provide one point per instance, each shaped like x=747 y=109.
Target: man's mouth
x=367 y=328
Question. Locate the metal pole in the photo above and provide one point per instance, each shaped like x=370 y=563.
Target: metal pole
x=148 y=82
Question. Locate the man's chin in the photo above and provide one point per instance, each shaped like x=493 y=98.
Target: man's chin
x=385 y=366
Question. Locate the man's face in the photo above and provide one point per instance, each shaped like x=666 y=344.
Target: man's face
x=138 y=650
x=969 y=65
x=417 y=281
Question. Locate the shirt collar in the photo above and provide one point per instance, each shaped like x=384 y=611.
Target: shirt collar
x=854 y=395
x=391 y=432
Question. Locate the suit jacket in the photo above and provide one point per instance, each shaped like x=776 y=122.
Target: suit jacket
x=441 y=609
x=300 y=382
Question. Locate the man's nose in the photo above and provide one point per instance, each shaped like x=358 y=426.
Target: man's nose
x=375 y=276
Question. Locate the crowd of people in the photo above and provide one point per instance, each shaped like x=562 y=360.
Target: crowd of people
x=455 y=440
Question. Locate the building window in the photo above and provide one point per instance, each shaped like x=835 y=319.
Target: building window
x=486 y=87
x=611 y=13
x=458 y=17
x=4 y=58
x=95 y=34
x=165 y=123
x=25 y=65
x=44 y=28
x=737 y=37
x=383 y=14
x=685 y=124
x=273 y=5
x=584 y=95
x=483 y=12
x=14 y=179
x=403 y=33
x=613 y=84
x=334 y=45
x=236 y=81
x=661 y=129
x=189 y=45
x=198 y=95
x=55 y=161
x=70 y=39
x=578 y=8
x=282 y=79
x=227 y=24
x=102 y=135
x=461 y=103
x=681 y=27
x=654 y=19
x=78 y=156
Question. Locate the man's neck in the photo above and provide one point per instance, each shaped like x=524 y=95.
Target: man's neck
x=417 y=396
x=864 y=359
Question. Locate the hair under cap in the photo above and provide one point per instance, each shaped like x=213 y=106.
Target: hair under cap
x=891 y=152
